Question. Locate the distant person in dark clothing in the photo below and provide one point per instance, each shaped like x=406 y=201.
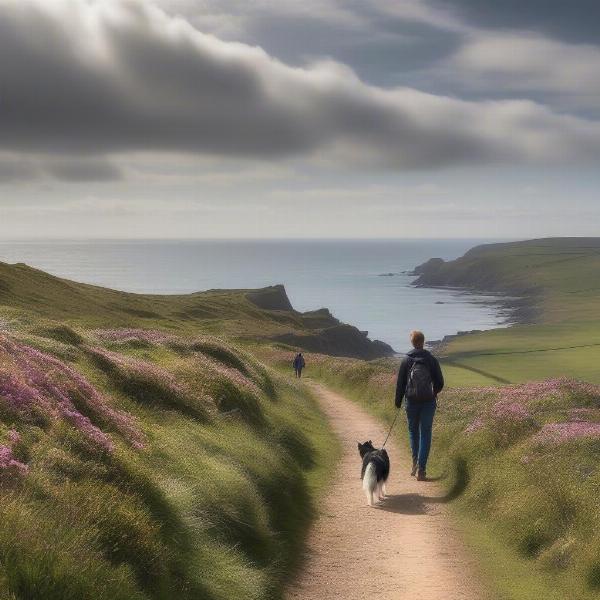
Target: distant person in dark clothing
x=420 y=380
x=299 y=364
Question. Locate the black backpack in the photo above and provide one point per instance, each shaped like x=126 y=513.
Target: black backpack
x=419 y=387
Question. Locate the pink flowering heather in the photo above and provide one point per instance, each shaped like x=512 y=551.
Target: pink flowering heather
x=19 y=393
x=475 y=425
x=525 y=393
x=14 y=437
x=32 y=382
x=9 y=463
x=509 y=411
x=501 y=412
x=583 y=414
x=557 y=433
x=517 y=403
x=558 y=387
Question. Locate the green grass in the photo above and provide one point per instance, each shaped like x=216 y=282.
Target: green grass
x=512 y=577
x=56 y=308
x=215 y=506
x=527 y=352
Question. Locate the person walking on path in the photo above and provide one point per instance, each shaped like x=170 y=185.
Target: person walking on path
x=420 y=380
x=299 y=364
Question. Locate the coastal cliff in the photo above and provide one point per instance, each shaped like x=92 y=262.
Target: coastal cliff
x=524 y=272
x=246 y=315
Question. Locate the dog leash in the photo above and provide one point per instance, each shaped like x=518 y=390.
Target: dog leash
x=392 y=427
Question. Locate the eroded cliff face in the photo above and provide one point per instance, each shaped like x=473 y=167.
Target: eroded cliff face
x=317 y=330
x=339 y=340
x=270 y=298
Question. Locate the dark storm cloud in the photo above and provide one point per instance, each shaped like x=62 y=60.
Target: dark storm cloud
x=96 y=77
x=571 y=21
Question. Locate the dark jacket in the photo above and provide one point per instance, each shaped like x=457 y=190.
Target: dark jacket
x=434 y=369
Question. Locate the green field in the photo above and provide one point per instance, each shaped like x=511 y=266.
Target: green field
x=559 y=280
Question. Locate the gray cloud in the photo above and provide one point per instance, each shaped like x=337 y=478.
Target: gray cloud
x=381 y=42
x=23 y=168
x=81 y=170
x=83 y=76
x=16 y=169
x=528 y=64
x=411 y=42
x=577 y=21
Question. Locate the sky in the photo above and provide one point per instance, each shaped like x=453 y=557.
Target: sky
x=281 y=118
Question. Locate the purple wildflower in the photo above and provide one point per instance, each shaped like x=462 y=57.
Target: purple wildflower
x=9 y=463
x=509 y=411
x=557 y=433
x=152 y=336
x=476 y=425
x=14 y=437
x=32 y=381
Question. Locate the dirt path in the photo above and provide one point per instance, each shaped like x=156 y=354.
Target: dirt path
x=404 y=549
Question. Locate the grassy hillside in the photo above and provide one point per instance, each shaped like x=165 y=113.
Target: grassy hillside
x=136 y=464
x=143 y=457
x=29 y=296
x=560 y=330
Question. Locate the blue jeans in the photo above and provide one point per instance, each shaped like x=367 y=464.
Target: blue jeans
x=420 y=423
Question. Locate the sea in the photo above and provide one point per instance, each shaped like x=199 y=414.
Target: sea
x=366 y=283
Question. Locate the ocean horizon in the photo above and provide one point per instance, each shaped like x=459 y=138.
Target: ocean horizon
x=364 y=282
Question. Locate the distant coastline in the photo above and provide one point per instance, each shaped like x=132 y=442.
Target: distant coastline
x=516 y=305
x=533 y=279
x=342 y=275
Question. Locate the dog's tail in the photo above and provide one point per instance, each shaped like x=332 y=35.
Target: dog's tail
x=370 y=482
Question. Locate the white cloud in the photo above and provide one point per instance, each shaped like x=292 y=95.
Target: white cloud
x=528 y=63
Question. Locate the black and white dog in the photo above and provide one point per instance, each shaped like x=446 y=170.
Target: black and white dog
x=375 y=470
